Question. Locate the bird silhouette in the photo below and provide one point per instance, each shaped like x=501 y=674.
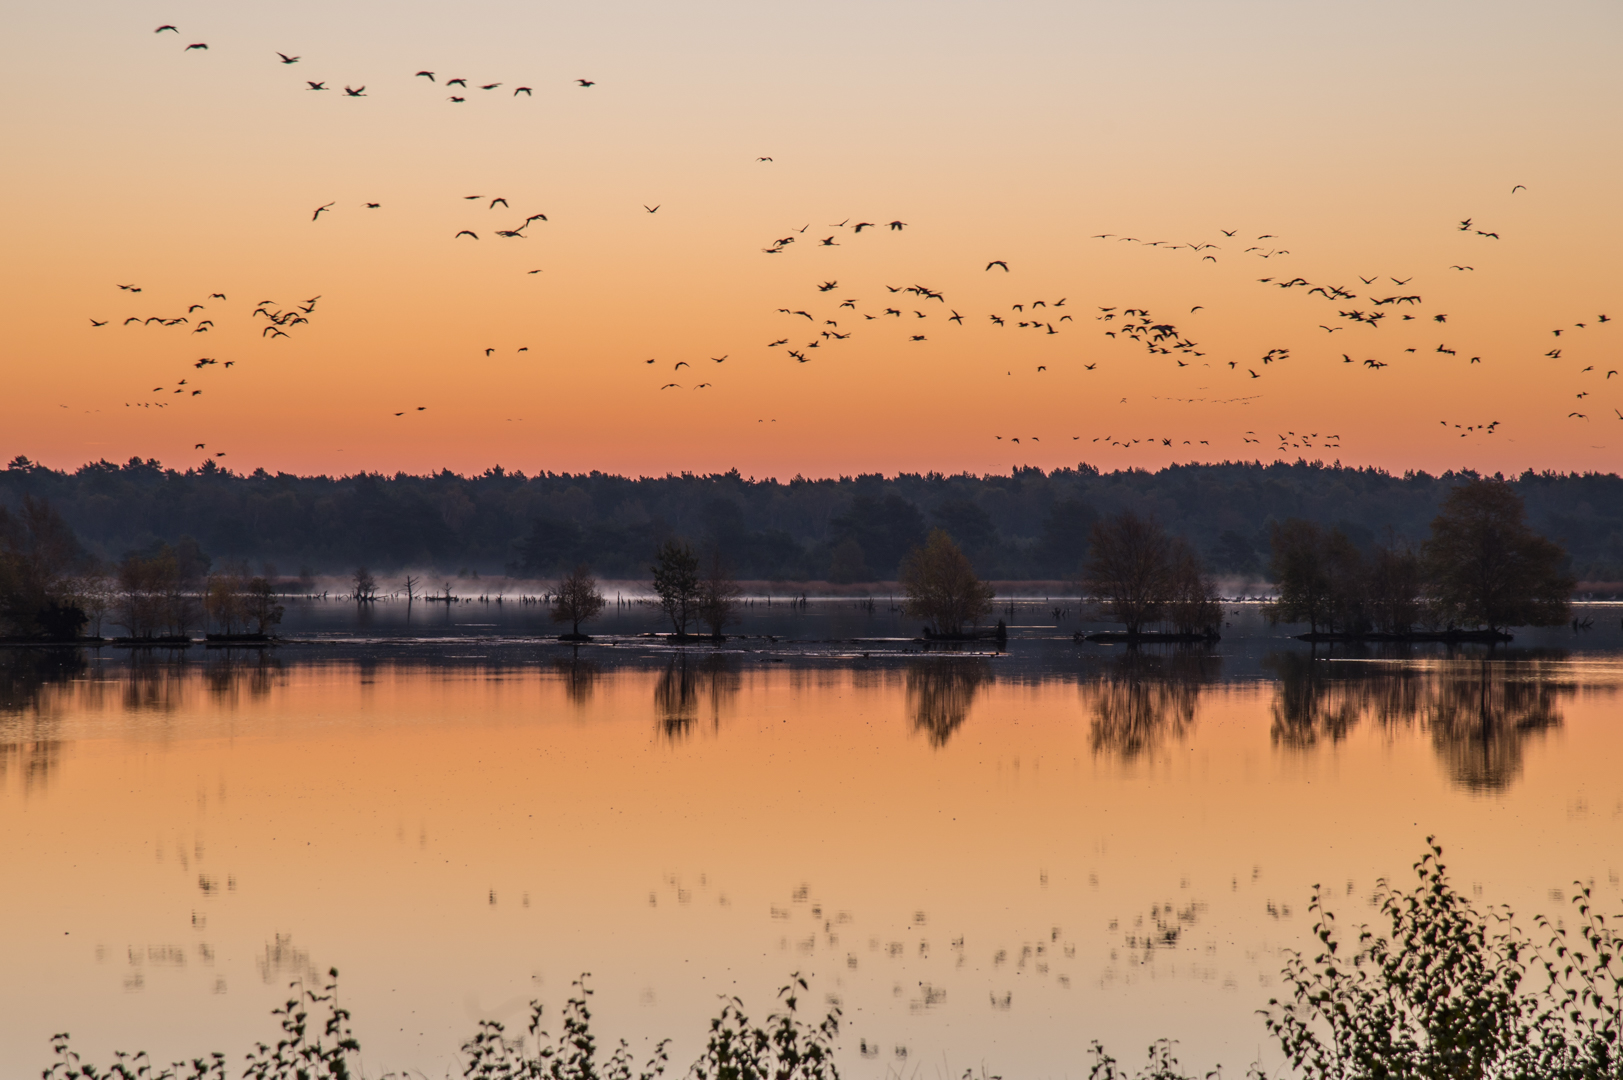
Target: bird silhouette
x=317 y=85
x=586 y=82
x=319 y=209
x=286 y=59
x=467 y=232
x=429 y=75
x=195 y=45
x=358 y=91
x=165 y=26
x=998 y=262
x=652 y=209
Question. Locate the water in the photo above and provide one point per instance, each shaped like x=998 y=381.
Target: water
x=984 y=859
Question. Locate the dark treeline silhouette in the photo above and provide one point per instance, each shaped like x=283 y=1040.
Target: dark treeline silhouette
x=1481 y=565
x=1023 y=526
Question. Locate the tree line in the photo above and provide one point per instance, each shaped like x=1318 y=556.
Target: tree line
x=1020 y=526
x=1481 y=566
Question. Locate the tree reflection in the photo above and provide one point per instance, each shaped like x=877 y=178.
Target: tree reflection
x=1479 y=724
x=230 y=672
x=940 y=692
x=1143 y=699
x=30 y=746
x=680 y=685
x=580 y=677
x=1479 y=713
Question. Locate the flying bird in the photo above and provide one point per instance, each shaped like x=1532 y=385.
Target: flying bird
x=286 y=59
x=317 y=85
x=165 y=26
x=319 y=209
x=93 y=322
x=525 y=90
x=467 y=232
x=356 y=92
x=652 y=209
x=586 y=82
x=998 y=262
x=429 y=75
x=897 y=226
x=195 y=45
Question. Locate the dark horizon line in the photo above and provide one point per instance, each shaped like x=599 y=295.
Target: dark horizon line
x=21 y=463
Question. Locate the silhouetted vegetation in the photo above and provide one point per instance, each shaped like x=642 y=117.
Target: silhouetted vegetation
x=577 y=599
x=942 y=588
x=1139 y=574
x=1029 y=524
x=1444 y=990
x=39 y=556
x=1482 y=566
x=676 y=583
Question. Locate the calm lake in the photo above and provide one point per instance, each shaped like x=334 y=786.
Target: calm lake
x=985 y=859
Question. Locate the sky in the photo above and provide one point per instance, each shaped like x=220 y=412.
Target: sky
x=1336 y=142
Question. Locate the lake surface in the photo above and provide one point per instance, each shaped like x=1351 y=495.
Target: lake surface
x=984 y=859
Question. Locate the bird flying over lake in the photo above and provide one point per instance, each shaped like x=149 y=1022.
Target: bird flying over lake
x=195 y=45
x=165 y=26
x=586 y=82
x=319 y=209
x=286 y=59
x=998 y=262
x=467 y=232
x=652 y=209
x=429 y=75
x=317 y=85
x=356 y=92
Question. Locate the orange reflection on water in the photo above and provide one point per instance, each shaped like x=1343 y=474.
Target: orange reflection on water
x=976 y=867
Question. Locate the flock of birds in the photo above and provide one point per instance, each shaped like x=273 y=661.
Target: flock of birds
x=836 y=313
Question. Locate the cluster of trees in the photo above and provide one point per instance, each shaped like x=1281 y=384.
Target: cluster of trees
x=1482 y=566
x=1139 y=574
x=52 y=589
x=1020 y=526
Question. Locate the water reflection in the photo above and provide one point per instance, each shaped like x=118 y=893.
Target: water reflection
x=1144 y=699
x=1479 y=713
x=680 y=685
x=580 y=678
x=940 y=692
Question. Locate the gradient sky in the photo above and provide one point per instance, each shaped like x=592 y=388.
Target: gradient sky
x=1356 y=136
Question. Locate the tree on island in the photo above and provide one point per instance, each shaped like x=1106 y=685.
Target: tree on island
x=1487 y=567
x=718 y=595
x=941 y=586
x=577 y=600
x=1127 y=570
x=1320 y=574
x=676 y=582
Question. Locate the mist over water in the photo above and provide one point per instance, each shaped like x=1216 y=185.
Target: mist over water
x=982 y=857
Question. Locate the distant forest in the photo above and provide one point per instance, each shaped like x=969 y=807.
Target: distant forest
x=1029 y=525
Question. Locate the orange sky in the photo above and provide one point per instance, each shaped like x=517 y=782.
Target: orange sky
x=1356 y=138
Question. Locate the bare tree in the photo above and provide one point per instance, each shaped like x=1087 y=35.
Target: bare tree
x=365 y=585
x=577 y=600
x=411 y=587
x=1128 y=570
x=1192 y=606
x=718 y=595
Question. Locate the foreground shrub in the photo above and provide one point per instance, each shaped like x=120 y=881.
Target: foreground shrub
x=1448 y=993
